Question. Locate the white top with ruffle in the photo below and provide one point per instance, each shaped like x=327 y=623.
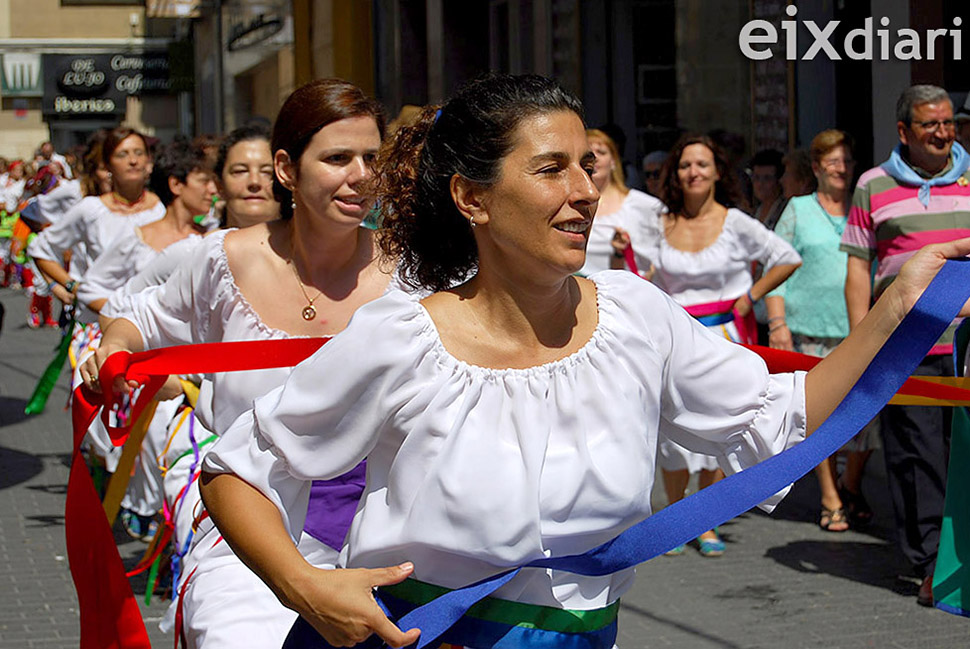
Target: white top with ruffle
x=473 y=470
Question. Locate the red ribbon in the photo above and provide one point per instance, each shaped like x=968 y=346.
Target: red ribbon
x=779 y=361
x=110 y=617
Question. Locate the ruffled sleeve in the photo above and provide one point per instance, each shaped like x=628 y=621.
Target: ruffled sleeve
x=189 y=307
x=112 y=268
x=67 y=232
x=717 y=397
x=759 y=243
x=159 y=269
x=330 y=412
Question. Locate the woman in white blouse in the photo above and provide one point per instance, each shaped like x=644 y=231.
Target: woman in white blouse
x=182 y=179
x=517 y=415
x=91 y=225
x=701 y=252
x=303 y=275
x=619 y=206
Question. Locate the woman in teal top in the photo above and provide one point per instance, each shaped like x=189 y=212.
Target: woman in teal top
x=807 y=313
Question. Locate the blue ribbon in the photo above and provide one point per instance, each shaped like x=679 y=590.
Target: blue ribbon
x=736 y=494
x=715 y=319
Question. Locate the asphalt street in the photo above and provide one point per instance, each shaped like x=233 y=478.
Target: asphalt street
x=783 y=582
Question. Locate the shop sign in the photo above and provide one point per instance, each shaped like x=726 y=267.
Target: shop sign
x=97 y=84
x=80 y=85
x=136 y=74
x=253 y=30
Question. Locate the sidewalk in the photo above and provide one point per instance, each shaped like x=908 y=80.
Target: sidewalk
x=782 y=582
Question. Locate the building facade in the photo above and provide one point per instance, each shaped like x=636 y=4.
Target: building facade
x=652 y=68
x=70 y=67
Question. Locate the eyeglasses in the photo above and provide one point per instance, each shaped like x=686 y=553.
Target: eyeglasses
x=932 y=125
x=837 y=162
x=653 y=174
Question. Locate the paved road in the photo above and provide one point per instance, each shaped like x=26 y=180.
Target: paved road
x=783 y=582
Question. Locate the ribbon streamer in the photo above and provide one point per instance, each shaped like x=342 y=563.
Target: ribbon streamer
x=38 y=400
x=109 y=615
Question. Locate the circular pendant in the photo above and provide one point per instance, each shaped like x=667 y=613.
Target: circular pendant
x=309 y=313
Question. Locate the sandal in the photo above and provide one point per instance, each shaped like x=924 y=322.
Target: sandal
x=860 y=514
x=833 y=520
x=711 y=548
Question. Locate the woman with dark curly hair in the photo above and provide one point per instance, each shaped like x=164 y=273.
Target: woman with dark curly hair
x=701 y=251
x=514 y=416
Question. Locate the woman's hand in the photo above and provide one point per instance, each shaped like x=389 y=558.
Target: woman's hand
x=170 y=389
x=62 y=294
x=620 y=241
x=779 y=337
x=917 y=273
x=828 y=382
x=91 y=368
x=340 y=605
x=742 y=305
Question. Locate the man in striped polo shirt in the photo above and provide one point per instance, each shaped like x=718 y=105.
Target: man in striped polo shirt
x=920 y=195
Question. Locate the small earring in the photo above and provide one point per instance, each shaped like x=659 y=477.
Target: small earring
x=471 y=222
x=293 y=204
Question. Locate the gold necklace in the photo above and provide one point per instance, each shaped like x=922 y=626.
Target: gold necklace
x=309 y=312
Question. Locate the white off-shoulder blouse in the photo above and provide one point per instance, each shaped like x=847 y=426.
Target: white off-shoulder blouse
x=87 y=229
x=121 y=261
x=722 y=270
x=473 y=470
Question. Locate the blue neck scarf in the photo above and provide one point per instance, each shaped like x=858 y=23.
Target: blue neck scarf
x=904 y=173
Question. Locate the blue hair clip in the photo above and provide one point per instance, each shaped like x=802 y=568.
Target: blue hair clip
x=437 y=114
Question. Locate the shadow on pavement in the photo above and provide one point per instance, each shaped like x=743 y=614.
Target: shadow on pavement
x=12 y=410
x=17 y=467
x=50 y=520
x=863 y=562
x=802 y=504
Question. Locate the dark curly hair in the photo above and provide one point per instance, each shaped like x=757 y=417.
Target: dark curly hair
x=176 y=160
x=726 y=191
x=469 y=136
x=307 y=110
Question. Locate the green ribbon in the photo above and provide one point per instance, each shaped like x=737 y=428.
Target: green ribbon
x=503 y=611
x=38 y=400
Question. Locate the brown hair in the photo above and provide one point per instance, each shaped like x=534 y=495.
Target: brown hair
x=726 y=190
x=824 y=142
x=616 y=174
x=114 y=138
x=90 y=161
x=307 y=110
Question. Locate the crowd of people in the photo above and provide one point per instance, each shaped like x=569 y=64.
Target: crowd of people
x=499 y=349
